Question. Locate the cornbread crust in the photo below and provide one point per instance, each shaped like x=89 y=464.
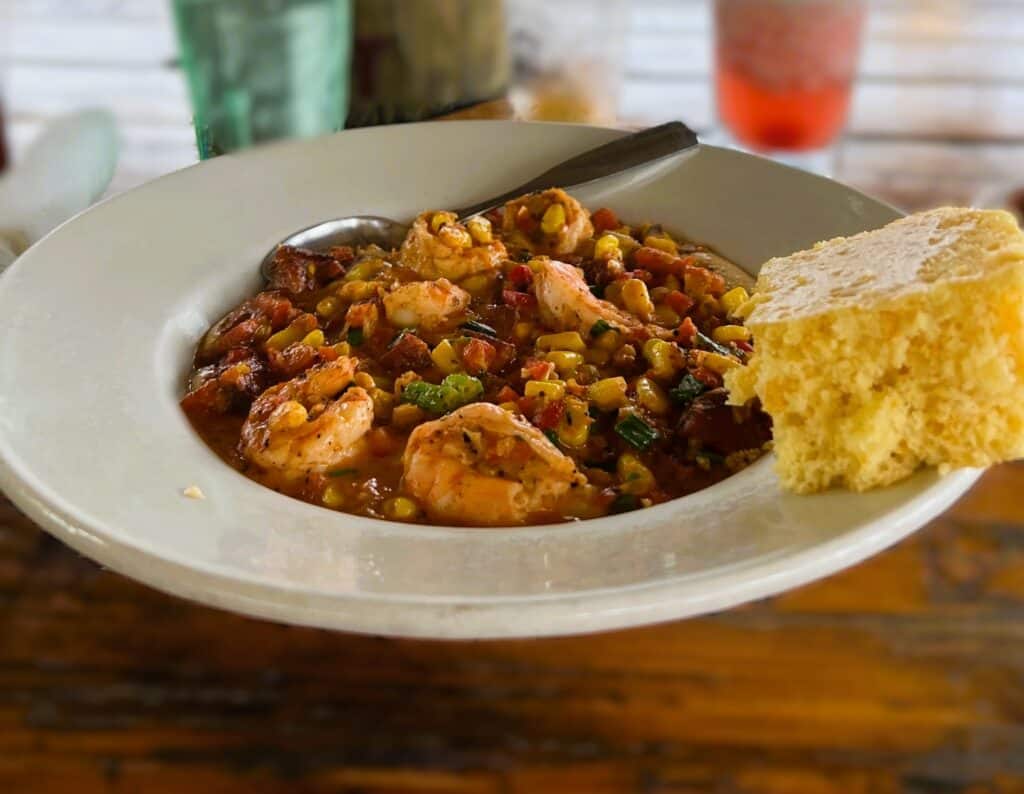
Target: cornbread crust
x=896 y=348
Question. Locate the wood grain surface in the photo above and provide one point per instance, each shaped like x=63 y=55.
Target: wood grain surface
x=903 y=674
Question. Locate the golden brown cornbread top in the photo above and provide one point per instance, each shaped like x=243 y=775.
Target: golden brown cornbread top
x=905 y=257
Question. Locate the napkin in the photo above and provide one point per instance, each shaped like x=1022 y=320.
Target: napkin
x=64 y=170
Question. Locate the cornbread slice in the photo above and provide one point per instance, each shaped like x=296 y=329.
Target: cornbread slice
x=878 y=353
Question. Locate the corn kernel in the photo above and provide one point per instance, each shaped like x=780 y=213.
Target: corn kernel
x=383 y=404
x=608 y=393
x=439 y=219
x=672 y=282
x=734 y=298
x=610 y=341
x=553 y=220
x=480 y=230
x=334 y=496
x=665 y=358
x=536 y=265
x=731 y=333
x=343 y=349
x=285 y=337
x=574 y=427
x=636 y=298
x=607 y=247
x=364 y=379
x=361 y=271
x=716 y=362
x=567 y=340
x=327 y=307
x=511 y=407
x=565 y=361
x=523 y=331
x=407 y=415
x=455 y=237
x=445 y=357
x=314 y=338
x=667 y=316
x=598 y=356
x=661 y=243
x=357 y=290
x=634 y=476
x=651 y=396
x=400 y=508
x=546 y=389
x=477 y=285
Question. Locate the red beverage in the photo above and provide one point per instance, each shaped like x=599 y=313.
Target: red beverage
x=784 y=69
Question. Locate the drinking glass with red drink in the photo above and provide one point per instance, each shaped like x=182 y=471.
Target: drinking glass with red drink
x=784 y=70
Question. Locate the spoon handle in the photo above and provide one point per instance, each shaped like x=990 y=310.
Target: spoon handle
x=620 y=155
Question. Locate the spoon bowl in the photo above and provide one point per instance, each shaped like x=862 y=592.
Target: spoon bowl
x=629 y=151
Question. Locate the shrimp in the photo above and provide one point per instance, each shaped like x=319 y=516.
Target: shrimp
x=567 y=304
x=437 y=246
x=425 y=304
x=552 y=222
x=481 y=465
x=303 y=426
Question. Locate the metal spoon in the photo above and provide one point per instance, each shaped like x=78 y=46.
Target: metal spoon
x=612 y=158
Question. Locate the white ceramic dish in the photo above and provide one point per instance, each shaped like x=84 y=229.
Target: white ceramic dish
x=101 y=318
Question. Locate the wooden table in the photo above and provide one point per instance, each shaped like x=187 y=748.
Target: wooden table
x=903 y=674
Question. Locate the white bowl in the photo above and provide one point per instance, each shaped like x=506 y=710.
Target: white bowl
x=102 y=316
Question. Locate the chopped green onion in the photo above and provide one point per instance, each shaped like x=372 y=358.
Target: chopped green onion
x=600 y=327
x=710 y=344
x=687 y=390
x=623 y=503
x=453 y=392
x=480 y=328
x=552 y=436
x=342 y=472
x=597 y=290
x=637 y=432
x=710 y=457
x=355 y=337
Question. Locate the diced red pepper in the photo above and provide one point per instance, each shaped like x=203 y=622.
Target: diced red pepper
x=686 y=333
x=744 y=346
x=656 y=260
x=507 y=395
x=477 y=356
x=522 y=300
x=527 y=404
x=550 y=415
x=538 y=370
x=521 y=275
x=604 y=219
x=679 y=301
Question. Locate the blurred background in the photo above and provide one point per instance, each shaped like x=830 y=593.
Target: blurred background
x=935 y=114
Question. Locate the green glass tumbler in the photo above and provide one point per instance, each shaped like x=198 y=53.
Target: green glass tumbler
x=262 y=70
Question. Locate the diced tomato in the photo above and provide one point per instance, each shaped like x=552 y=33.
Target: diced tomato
x=477 y=356
x=603 y=220
x=679 y=301
x=277 y=308
x=293 y=360
x=327 y=353
x=744 y=346
x=362 y=315
x=550 y=415
x=522 y=300
x=527 y=404
x=507 y=395
x=708 y=377
x=521 y=275
x=525 y=222
x=496 y=216
x=686 y=333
